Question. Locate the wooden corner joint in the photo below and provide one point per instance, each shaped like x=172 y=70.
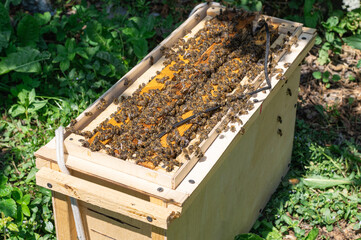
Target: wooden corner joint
x=110 y=199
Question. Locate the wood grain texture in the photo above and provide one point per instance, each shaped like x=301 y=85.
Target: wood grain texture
x=104 y=197
x=63 y=217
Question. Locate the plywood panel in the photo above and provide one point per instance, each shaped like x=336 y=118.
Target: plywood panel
x=229 y=199
x=63 y=217
x=104 y=225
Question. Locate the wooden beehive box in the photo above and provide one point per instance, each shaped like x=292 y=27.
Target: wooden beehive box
x=213 y=197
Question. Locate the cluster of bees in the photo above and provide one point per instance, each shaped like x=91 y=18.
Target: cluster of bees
x=206 y=70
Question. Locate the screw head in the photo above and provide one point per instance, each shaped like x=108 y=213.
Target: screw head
x=191 y=181
x=150 y=219
x=49 y=185
x=160 y=189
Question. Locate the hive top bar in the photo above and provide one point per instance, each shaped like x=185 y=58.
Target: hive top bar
x=210 y=59
x=199 y=73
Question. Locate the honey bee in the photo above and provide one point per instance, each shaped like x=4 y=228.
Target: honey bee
x=88 y=114
x=116 y=101
x=126 y=81
x=151 y=60
x=279 y=119
x=73 y=122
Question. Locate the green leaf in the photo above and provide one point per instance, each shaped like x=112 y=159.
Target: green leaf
x=317 y=75
x=26 y=199
x=25 y=209
x=5 y=190
x=28 y=30
x=43 y=18
x=323 y=182
x=17 y=195
x=110 y=58
x=64 y=65
x=23 y=97
x=32 y=96
x=330 y=36
x=3 y=180
x=49 y=226
x=94 y=32
x=24 y=60
x=308 y=5
x=35 y=106
x=31 y=175
x=354 y=41
x=248 y=236
x=312 y=235
x=140 y=47
x=311 y=20
x=326 y=74
x=16 y=110
x=8 y=207
x=13 y=227
x=331 y=22
x=5 y=24
x=131 y=32
x=3 y=41
x=318 y=40
x=336 y=77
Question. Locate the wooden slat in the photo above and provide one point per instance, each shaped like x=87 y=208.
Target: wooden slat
x=63 y=217
x=158 y=233
x=104 y=197
x=122 y=179
x=73 y=147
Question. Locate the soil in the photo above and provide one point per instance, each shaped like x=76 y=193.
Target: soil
x=337 y=108
x=342 y=231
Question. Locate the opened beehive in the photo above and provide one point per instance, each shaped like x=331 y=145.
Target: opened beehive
x=134 y=136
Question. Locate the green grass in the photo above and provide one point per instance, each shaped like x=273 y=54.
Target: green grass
x=321 y=187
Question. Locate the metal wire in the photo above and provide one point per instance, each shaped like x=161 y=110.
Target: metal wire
x=269 y=86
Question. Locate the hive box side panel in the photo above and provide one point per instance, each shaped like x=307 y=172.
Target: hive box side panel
x=63 y=217
x=231 y=196
x=102 y=224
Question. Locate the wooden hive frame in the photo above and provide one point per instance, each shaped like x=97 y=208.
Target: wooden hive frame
x=130 y=200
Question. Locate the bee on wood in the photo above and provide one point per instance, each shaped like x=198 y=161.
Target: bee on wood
x=279 y=76
x=88 y=114
x=151 y=60
x=73 y=122
x=116 y=101
x=242 y=131
x=126 y=81
x=289 y=92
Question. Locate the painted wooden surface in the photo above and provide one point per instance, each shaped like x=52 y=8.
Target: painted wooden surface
x=231 y=196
